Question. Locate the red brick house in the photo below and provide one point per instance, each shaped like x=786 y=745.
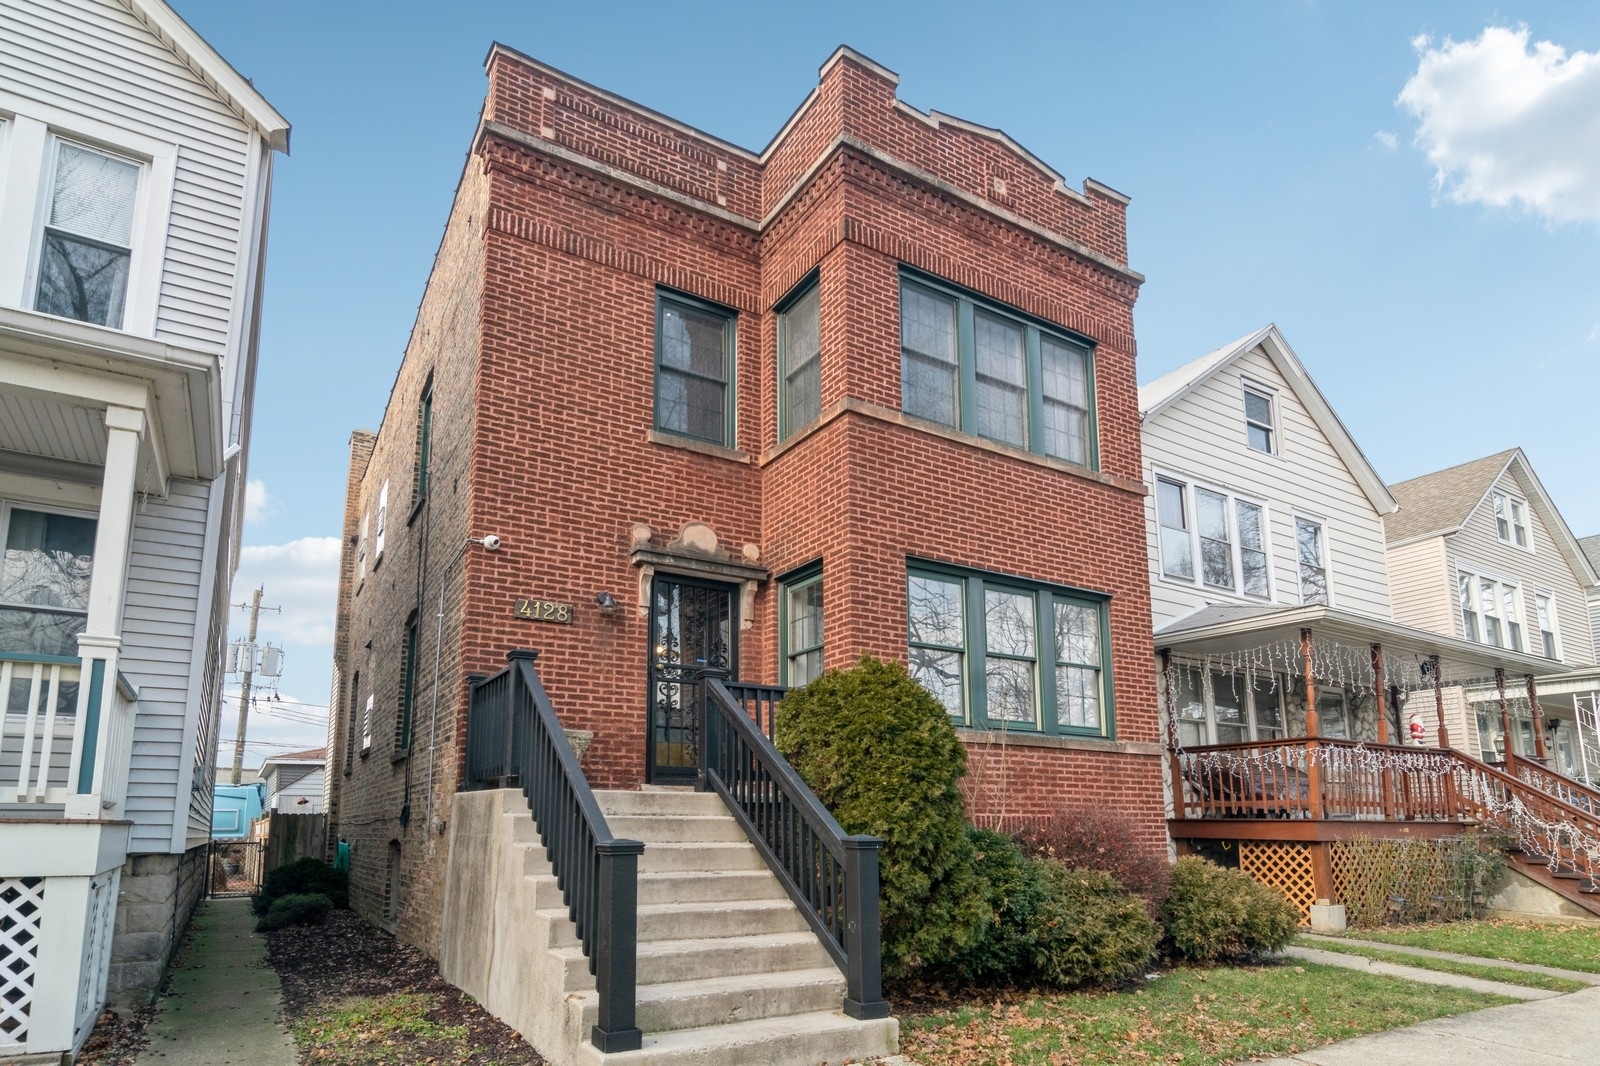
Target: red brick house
x=669 y=401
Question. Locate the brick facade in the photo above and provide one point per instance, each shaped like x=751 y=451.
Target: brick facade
x=538 y=333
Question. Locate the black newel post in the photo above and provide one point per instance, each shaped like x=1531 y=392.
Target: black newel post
x=514 y=726
x=702 y=722
x=616 y=946
x=863 y=996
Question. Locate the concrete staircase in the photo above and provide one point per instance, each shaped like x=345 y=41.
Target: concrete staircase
x=728 y=969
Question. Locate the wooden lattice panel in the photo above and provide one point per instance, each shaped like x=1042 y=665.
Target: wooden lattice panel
x=1283 y=866
x=1380 y=881
x=21 y=912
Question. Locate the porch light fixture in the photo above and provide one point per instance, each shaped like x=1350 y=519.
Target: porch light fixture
x=608 y=603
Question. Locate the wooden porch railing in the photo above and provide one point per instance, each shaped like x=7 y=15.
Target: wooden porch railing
x=1553 y=782
x=38 y=713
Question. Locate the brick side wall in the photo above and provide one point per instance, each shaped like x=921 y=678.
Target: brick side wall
x=538 y=325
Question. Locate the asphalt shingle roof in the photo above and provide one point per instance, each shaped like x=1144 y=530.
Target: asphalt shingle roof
x=1441 y=501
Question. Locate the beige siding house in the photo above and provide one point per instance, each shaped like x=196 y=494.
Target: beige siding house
x=1480 y=552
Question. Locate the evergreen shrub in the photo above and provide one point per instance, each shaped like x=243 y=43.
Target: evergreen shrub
x=301 y=877
x=298 y=908
x=882 y=756
x=1213 y=914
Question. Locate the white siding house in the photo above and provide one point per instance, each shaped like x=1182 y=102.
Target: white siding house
x=295 y=781
x=1489 y=559
x=135 y=166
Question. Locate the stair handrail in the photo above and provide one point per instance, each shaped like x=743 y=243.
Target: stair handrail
x=831 y=876
x=1564 y=835
x=1552 y=781
x=513 y=732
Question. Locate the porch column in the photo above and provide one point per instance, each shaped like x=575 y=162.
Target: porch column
x=1505 y=716
x=101 y=639
x=1539 y=751
x=1313 y=727
x=1386 y=776
x=1438 y=700
x=1169 y=708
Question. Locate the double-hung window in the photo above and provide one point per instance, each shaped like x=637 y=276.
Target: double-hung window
x=1511 y=520
x=1003 y=653
x=800 y=360
x=1311 y=553
x=986 y=369
x=1491 y=610
x=87 y=245
x=694 y=369
x=419 y=477
x=408 y=689
x=801 y=627
x=1221 y=707
x=44 y=580
x=1227 y=533
x=1545 y=606
x=1261 y=419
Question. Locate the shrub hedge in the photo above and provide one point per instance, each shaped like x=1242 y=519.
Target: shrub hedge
x=1213 y=914
x=304 y=876
x=1096 y=838
x=298 y=908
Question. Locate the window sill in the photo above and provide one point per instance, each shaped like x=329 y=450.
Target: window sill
x=1061 y=743
x=399 y=757
x=366 y=754
x=416 y=509
x=1214 y=591
x=689 y=444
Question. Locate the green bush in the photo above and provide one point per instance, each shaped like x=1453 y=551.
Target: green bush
x=881 y=755
x=302 y=877
x=1215 y=914
x=1051 y=926
x=298 y=908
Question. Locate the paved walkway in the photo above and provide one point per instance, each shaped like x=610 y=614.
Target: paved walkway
x=1406 y=949
x=221 y=1007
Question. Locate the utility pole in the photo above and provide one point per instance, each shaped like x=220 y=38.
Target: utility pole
x=244 y=691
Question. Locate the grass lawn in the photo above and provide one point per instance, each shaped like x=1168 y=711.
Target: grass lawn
x=1192 y=1016
x=1467 y=969
x=1569 y=947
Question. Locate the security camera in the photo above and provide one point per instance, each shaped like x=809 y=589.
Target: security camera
x=490 y=543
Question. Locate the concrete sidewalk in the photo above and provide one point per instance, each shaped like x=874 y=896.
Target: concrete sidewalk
x=1559 y=1031
x=222 y=1002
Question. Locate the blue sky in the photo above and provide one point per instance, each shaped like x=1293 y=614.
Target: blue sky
x=1434 y=262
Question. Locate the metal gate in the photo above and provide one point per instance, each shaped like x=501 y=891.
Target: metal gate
x=234 y=868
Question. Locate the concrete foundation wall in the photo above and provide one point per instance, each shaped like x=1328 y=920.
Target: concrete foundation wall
x=1519 y=896
x=158 y=896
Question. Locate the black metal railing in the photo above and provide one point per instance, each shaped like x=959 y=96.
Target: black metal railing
x=513 y=734
x=760 y=702
x=831 y=876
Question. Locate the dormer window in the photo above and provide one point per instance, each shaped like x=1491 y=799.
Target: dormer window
x=87 y=244
x=1510 y=520
x=1261 y=419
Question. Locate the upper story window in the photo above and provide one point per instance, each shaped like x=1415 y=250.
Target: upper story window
x=800 y=361
x=419 y=477
x=694 y=369
x=801 y=629
x=1510 y=520
x=1261 y=418
x=1225 y=532
x=87 y=244
x=1311 y=551
x=408 y=688
x=982 y=368
x=44 y=580
x=1491 y=610
x=1545 y=606
x=998 y=652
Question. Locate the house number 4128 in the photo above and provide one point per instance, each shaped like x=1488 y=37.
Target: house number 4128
x=543 y=611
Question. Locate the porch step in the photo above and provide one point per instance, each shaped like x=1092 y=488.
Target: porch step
x=726 y=1000
x=659 y=802
x=719 y=857
x=797 y=1040
x=708 y=886
x=668 y=961
x=695 y=921
x=676 y=828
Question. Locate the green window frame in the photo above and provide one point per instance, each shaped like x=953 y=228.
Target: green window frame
x=800 y=627
x=694 y=368
x=1002 y=652
x=419 y=479
x=990 y=370
x=800 y=357
x=408 y=689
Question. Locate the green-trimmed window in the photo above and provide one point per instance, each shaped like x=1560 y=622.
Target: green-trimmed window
x=419 y=480
x=408 y=689
x=801 y=627
x=1004 y=652
x=694 y=368
x=983 y=368
x=800 y=359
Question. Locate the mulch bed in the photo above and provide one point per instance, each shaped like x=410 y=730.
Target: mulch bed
x=346 y=957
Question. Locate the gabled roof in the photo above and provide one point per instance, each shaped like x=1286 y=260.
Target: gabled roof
x=1590 y=546
x=234 y=89
x=316 y=755
x=1440 y=503
x=1166 y=390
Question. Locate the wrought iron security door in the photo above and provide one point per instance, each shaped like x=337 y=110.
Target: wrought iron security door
x=691 y=627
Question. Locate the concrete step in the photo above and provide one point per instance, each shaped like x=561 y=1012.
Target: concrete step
x=695 y=921
x=699 y=886
x=658 y=801
x=676 y=828
x=669 y=961
x=725 y=1000
x=797 y=1040
x=714 y=857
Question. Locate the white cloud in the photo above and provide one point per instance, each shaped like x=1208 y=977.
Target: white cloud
x=1387 y=139
x=259 y=504
x=1508 y=122
x=302 y=577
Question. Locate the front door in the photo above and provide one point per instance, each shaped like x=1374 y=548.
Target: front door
x=692 y=626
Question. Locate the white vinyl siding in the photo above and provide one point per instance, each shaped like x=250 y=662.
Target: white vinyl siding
x=158 y=639
x=95 y=58
x=1201 y=437
x=1422 y=587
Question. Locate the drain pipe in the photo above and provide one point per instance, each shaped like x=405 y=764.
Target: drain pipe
x=489 y=542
